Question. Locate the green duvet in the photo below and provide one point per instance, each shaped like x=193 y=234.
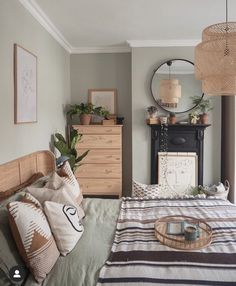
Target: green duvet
x=82 y=265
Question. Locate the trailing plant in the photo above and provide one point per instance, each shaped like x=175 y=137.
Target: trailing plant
x=67 y=148
x=203 y=105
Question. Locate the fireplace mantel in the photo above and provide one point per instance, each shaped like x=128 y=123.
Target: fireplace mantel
x=181 y=138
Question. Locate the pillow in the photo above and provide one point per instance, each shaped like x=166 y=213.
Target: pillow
x=68 y=177
x=10 y=192
x=160 y=191
x=33 y=237
x=62 y=196
x=9 y=254
x=143 y=190
x=65 y=225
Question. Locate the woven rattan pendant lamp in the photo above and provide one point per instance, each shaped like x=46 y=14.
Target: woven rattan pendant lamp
x=215 y=58
x=170 y=89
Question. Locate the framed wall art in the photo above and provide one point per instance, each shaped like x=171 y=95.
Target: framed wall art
x=25 y=86
x=178 y=170
x=106 y=98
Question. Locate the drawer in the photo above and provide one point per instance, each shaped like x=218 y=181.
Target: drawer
x=101 y=155
x=100 y=186
x=98 y=171
x=98 y=129
x=100 y=141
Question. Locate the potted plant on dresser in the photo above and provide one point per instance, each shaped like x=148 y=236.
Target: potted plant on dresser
x=204 y=106
x=84 y=110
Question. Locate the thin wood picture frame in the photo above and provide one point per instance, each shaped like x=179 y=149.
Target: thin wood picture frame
x=181 y=169
x=25 y=86
x=106 y=98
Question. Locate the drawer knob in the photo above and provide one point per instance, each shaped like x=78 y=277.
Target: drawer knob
x=178 y=140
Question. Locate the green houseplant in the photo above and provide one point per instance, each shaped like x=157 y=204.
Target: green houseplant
x=67 y=148
x=85 y=111
x=203 y=107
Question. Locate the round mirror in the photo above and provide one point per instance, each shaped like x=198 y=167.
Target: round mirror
x=173 y=86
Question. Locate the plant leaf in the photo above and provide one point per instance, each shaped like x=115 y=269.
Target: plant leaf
x=60 y=137
x=81 y=157
x=62 y=147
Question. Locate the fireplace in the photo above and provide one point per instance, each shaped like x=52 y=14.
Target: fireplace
x=181 y=139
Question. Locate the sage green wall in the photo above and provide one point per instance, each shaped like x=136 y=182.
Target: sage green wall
x=107 y=71
x=144 y=61
x=18 y=26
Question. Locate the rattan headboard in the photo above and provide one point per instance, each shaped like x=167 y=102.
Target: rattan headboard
x=18 y=171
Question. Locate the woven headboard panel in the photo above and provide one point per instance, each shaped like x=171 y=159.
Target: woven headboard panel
x=18 y=171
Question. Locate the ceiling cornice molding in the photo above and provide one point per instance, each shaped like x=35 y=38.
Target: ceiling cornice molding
x=101 y=50
x=163 y=43
x=43 y=19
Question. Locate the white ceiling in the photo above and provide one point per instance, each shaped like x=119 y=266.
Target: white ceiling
x=101 y=24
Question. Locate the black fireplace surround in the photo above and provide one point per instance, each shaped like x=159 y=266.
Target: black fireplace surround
x=181 y=138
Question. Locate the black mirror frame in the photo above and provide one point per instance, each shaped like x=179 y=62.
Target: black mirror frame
x=154 y=72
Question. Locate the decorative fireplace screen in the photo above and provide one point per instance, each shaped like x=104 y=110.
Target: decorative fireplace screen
x=178 y=171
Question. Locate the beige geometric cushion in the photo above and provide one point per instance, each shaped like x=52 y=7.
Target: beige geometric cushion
x=143 y=190
x=65 y=225
x=33 y=237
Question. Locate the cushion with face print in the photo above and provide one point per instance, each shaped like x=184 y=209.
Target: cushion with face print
x=65 y=225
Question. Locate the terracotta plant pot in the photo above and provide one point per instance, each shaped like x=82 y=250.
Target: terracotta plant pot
x=172 y=120
x=85 y=119
x=204 y=118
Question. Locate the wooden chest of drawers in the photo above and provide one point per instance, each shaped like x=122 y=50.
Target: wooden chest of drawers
x=101 y=170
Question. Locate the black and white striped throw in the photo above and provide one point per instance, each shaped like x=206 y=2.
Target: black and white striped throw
x=138 y=258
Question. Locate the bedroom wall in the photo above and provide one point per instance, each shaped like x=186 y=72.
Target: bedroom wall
x=107 y=71
x=144 y=61
x=18 y=26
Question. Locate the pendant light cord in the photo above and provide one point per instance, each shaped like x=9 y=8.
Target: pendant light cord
x=226 y=51
x=226 y=13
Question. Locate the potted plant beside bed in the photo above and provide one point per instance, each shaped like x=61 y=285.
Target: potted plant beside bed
x=67 y=148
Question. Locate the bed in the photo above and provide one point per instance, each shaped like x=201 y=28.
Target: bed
x=119 y=246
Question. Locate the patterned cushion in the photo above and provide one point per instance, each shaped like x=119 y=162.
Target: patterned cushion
x=160 y=191
x=143 y=190
x=33 y=237
x=65 y=225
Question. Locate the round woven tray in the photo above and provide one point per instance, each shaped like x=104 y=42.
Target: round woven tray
x=178 y=241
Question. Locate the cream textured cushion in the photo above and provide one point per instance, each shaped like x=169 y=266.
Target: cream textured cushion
x=61 y=196
x=33 y=236
x=69 y=178
x=65 y=225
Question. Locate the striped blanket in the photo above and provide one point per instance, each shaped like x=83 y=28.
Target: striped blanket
x=138 y=258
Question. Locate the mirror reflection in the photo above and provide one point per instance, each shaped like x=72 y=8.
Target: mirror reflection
x=173 y=86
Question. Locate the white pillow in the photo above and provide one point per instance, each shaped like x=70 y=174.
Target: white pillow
x=65 y=225
x=69 y=179
x=62 y=196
